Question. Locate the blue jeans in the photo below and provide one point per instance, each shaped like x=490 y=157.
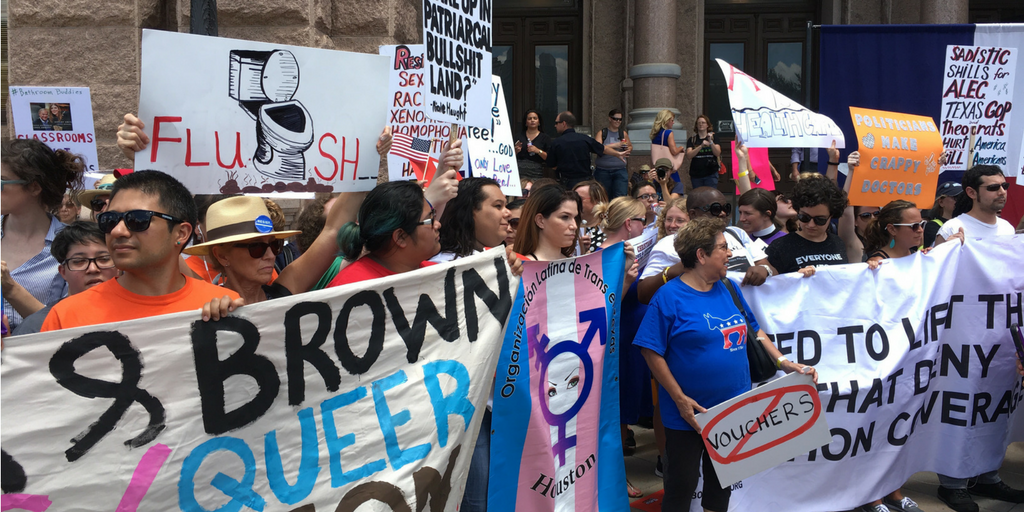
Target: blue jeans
x=707 y=181
x=475 y=497
x=613 y=180
x=992 y=477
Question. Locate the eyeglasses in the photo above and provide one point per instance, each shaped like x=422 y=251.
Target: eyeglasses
x=258 y=249
x=98 y=203
x=916 y=226
x=135 y=220
x=716 y=209
x=4 y=183
x=615 y=118
x=526 y=192
x=647 y=196
x=996 y=186
x=820 y=220
x=513 y=223
x=429 y=221
x=868 y=215
x=82 y=264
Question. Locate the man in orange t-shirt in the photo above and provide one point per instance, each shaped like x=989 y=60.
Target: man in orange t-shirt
x=148 y=221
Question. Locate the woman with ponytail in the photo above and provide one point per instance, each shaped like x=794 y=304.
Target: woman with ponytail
x=35 y=179
x=897 y=231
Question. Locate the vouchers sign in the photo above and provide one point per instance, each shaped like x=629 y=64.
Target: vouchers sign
x=977 y=89
x=368 y=393
x=457 y=34
x=899 y=158
x=491 y=149
x=764 y=427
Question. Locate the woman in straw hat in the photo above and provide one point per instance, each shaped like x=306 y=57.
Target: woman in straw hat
x=95 y=199
x=241 y=238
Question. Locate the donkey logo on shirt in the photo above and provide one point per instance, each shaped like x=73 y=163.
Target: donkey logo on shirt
x=733 y=329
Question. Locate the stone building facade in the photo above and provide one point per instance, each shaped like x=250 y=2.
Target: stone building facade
x=636 y=55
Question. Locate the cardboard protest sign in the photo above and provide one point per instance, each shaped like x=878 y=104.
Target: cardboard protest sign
x=977 y=99
x=760 y=165
x=916 y=369
x=407 y=116
x=492 y=149
x=458 y=61
x=60 y=117
x=763 y=428
x=555 y=443
x=227 y=116
x=767 y=119
x=899 y=158
x=644 y=244
x=321 y=401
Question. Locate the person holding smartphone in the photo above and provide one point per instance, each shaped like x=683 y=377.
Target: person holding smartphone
x=610 y=170
x=703 y=152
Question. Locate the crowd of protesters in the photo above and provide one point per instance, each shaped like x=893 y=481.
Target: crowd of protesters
x=148 y=249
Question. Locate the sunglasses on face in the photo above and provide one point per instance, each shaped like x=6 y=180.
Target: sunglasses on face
x=820 y=220
x=98 y=203
x=258 y=249
x=135 y=220
x=615 y=118
x=716 y=209
x=513 y=223
x=996 y=186
x=868 y=215
x=916 y=226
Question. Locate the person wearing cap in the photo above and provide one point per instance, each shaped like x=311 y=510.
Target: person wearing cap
x=668 y=187
x=148 y=221
x=639 y=176
x=96 y=198
x=945 y=201
x=241 y=238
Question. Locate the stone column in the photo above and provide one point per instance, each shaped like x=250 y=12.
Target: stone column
x=655 y=73
x=944 y=11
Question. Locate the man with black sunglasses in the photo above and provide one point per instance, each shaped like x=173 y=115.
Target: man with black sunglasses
x=747 y=255
x=977 y=208
x=148 y=221
x=817 y=201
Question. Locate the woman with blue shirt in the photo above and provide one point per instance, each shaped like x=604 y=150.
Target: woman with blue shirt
x=694 y=340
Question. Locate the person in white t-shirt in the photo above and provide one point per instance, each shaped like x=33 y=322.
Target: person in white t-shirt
x=747 y=255
x=977 y=209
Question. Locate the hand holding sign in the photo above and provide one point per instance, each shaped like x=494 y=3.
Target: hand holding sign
x=686 y=407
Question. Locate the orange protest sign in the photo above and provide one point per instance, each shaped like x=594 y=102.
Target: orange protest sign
x=899 y=158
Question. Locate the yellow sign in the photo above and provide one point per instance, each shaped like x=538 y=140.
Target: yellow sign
x=899 y=158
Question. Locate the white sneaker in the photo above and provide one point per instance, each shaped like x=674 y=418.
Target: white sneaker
x=905 y=505
x=873 y=508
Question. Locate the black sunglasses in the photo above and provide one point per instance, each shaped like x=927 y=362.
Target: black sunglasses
x=258 y=249
x=135 y=220
x=868 y=215
x=615 y=118
x=820 y=220
x=98 y=203
x=996 y=186
x=716 y=209
x=514 y=223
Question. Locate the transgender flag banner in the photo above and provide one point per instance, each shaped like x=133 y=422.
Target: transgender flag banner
x=555 y=428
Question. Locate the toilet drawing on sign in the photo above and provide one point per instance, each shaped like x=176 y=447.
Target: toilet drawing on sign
x=264 y=84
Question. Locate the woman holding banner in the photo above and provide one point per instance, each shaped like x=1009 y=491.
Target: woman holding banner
x=552 y=216
x=681 y=338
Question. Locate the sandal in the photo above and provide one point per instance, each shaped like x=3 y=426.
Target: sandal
x=633 y=492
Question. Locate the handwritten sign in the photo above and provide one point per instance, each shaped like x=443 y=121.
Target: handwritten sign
x=406 y=113
x=764 y=427
x=458 y=60
x=227 y=116
x=977 y=94
x=644 y=244
x=492 y=149
x=60 y=117
x=767 y=119
x=899 y=158
x=372 y=392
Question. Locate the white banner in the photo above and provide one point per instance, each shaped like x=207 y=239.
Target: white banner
x=916 y=371
x=227 y=116
x=767 y=119
x=60 y=117
x=406 y=113
x=977 y=99
x=321 y=401
x=492 y=149
x=457 y=36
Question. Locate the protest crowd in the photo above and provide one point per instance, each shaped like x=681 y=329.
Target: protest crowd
x=140 y=244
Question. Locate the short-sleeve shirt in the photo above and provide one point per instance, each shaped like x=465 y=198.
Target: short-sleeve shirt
x=570 y=154
x=542 y=142
x=974 y=228
x=703 y=338
x=794 y=252
x=38 y=275
x=704 y=163
x=110 y=302
x=745 y=253
x=364 y=269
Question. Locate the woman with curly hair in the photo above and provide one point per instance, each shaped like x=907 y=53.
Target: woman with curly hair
x=475 y=220
x=817 y=201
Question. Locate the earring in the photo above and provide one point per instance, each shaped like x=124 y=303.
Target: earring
x=178 y=242
x=892 y=243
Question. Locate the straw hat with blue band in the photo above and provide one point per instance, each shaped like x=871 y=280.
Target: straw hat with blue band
x=237 y=219
x=104 y=187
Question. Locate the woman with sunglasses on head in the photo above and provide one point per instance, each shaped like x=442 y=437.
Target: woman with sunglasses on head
x=35 y=179
x=817 y=201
